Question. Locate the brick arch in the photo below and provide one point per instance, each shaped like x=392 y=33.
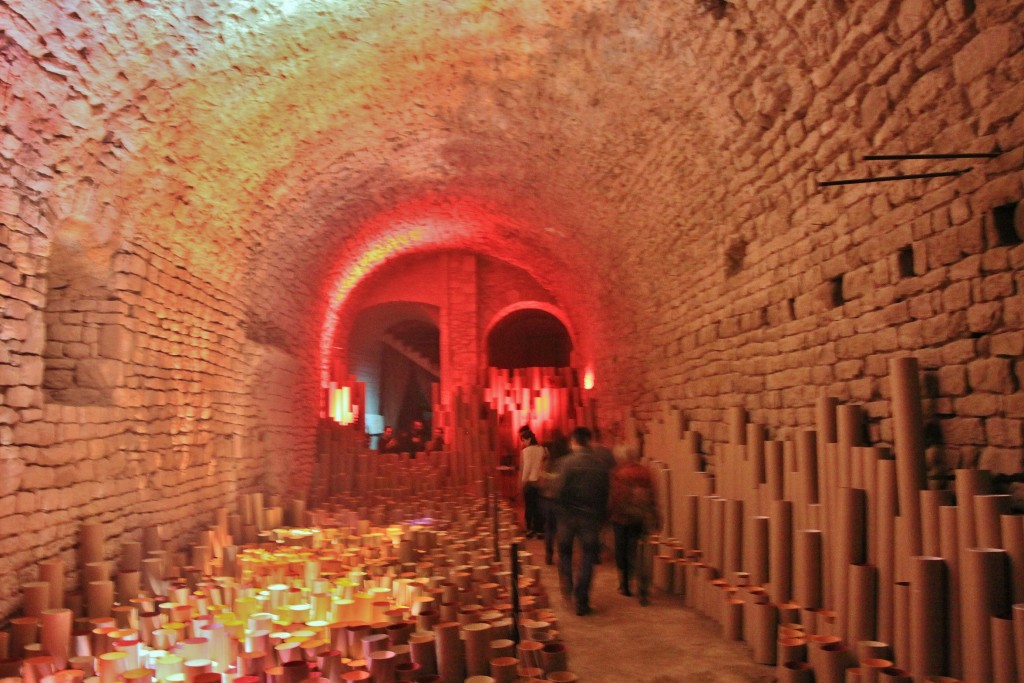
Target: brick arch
x=555 y=311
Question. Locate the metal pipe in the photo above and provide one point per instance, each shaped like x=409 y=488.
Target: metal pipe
x=884 y=178
x=966 y=155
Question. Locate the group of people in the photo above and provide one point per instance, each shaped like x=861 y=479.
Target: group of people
x=411 y=441
x=569 y=497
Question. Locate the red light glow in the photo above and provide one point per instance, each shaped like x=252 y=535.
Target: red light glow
x=588 y=379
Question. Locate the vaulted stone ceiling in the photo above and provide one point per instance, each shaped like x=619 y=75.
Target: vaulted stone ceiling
x=287 y=147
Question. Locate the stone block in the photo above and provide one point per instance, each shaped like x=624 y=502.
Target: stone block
x=116 y=342
x=95 y=373
x=1002 y=460
x=991 y=374
x=986 y=317
x=984 y=52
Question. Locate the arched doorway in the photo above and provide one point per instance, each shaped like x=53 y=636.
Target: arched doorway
x=527 y=338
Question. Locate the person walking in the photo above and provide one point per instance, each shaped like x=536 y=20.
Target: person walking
x=581 y=491
x=531 y=463
x=633 y=512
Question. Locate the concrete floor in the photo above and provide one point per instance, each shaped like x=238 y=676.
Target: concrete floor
x=622 y=642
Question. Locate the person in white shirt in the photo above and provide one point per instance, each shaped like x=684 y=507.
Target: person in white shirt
x=531 y=465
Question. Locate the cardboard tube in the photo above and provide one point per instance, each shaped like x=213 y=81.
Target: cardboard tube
x=886 y=514
x=988 y=510
x=732 y=621
x=816 y=654
x=1013 y=543
x=850 y=549
x=91 y=538
x=807 y=568
x=908 y=444
x=476 y=640
x=35 y=597
x=733 y=539
x=737 y=420
x=931 y=501
x=553 y=657
x=849 y=431
x=765 y=622
x=99 y=598
x=984 y=591
x=422 y=650
x=52 y=571
x=834 y=660
x=863 y=599
x=757 y=553
x=950 y=553
x=780 y=551
x=1004 y=663
x=503 y=669
x=382 y=666
x=774 y=472
x=870 y=669
x=1018 y=635
x=969 y=483
x=795 y=672
x=807 y=464
x=901 y=623
x=55 y=634
x=450 y=657
x=928 y=616
x=791 y=649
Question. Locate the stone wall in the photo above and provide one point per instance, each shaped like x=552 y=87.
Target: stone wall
x=774 y=291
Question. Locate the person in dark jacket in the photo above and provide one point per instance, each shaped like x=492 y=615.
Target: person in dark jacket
x=633 y=511
x=581 y=491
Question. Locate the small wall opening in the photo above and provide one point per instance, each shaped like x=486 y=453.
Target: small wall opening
x=837 y=291
x=905 y=262
x=1004 y=220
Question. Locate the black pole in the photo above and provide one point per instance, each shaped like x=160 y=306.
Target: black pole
x=900 y=157
x=886 y=178
x=514 y=550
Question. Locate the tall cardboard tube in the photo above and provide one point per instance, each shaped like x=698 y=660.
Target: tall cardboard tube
x=984 y=593
x=780 y=551
x=850 y=549
x=422 y=650
x=451 y=666
x=949 y=549
x=733 y=540
x=35 y=597
x=849 y=430
x=807 y=568
x=99 y=598
x=807 y=463
x=1018 y=635
x=908 y=444
x=931 y=501
x=1004 y=663
x=901 y=623
x=476 y=640
x=863 y=599
x=928 y=616
x=886 y=514
x=988 y=510
x=969 y=483
x=765 y=622
x=757 y=553
x=773 y=469
x=1013 y=543
x=52 y=571
x=55 y=634
x=91 y=539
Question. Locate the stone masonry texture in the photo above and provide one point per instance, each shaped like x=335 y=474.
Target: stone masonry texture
x=192 y=192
